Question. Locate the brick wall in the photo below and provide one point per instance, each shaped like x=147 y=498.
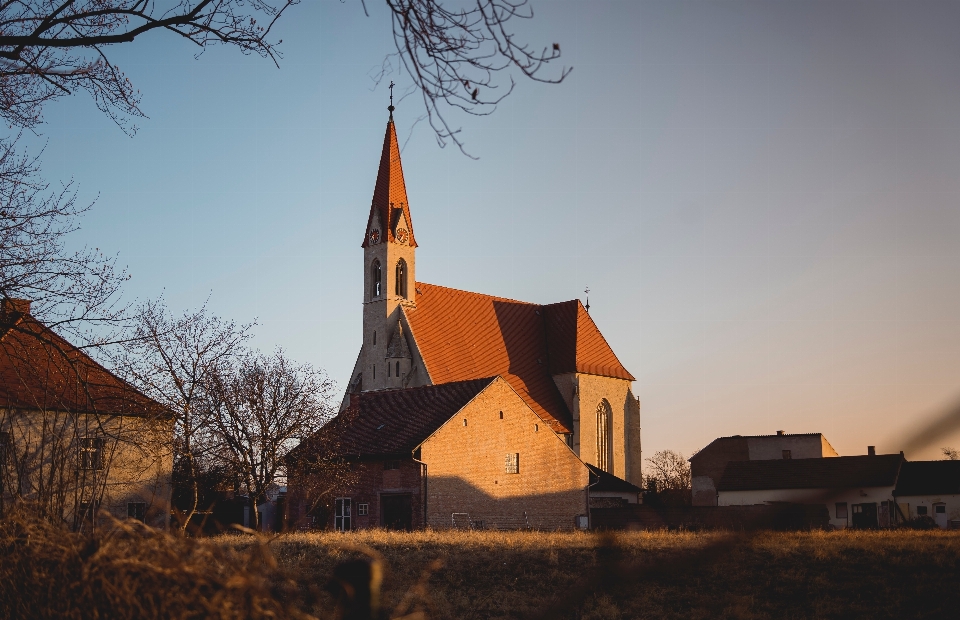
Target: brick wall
x=466 y=468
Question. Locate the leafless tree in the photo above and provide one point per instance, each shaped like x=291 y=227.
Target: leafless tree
x=950 y=454
x=50 y=48
x=172 y=359
x=464 y=58
x=259 y=410
x=668 y=471
x=71 y=291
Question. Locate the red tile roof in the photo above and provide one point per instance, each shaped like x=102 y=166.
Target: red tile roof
x=390 y=192
x=394 y=422
x=39 y=370
x=463 y=335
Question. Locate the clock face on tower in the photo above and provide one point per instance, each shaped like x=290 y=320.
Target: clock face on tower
x=374 y=236
x=401 y=235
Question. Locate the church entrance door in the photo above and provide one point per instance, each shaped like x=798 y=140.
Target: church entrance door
x=396 y=511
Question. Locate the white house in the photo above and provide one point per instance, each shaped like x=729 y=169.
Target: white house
x=857 y=490
x=930 y=488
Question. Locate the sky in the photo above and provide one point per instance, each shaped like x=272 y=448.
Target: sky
x=761 y=196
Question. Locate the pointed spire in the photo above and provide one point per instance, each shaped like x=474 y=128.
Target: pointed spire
x=390 y=192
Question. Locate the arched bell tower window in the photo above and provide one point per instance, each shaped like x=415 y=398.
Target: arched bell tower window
x=604 y=413
x=401 y=278
x=376 y=280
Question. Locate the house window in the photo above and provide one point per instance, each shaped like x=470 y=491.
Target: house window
x=363 y=510
x=388 y=370
x=501 y=415
x=921 y=511
x=341 y=514
x=4 y=446
x=464 y=421
x=786 y=455
x=391 y=464
x=91 y=453
x=374 y=371
x=841 y=510
x=858 y=509
x=401 y=284
x=536 y=428
x=87 y=510
x=398 y=370
x=940 y=509
x=603 y=435
x=137 y=511
x=376 y=277
x=374 y=337
x=512 y=463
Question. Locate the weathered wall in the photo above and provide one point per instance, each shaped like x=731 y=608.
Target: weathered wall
x=909 y=503
x=466 y=467
x=829 y=497
x=137 y=467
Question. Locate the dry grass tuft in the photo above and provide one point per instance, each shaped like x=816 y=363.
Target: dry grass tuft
x=133 y=571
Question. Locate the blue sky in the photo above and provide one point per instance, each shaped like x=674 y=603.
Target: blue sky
x=761 y=196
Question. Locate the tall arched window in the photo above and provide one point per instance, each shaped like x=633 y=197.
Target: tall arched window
x=376 y=279
x=401 y=278
x=604 y=413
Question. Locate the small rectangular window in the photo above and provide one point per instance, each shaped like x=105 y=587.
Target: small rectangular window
x=342 y=514
x=137 y=511
x=363 y=510
x=940 y=509
x=391 y=464
x=786 y=455
x=512 y=463
x=91 y=453
x=857 y=509
x=841 y=510
x=464 y=421
x=87 y=510
x=398 y=370
x=921 y=511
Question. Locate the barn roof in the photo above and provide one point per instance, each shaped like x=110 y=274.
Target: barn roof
x=394 y=422
x=608 y=483
x=929 y=478
x=818 y=473
x=462 y=335
x=39 y=370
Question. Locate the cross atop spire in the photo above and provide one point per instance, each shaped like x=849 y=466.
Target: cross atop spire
x=587 y=293
x=391 y=108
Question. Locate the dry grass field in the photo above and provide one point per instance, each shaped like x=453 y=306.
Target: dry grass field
x=136 y=573
x=902 y=574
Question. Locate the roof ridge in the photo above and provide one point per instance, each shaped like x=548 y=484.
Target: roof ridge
x=460 y=290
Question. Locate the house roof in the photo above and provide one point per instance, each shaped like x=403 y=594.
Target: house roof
x=929 y=478
x=390 y=191
x=608 y=483
x=39 y=370
x=394 y=422
x=462 y=335
x=818 y=473
x=740 y=440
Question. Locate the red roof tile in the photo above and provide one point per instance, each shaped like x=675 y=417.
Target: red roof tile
x=39 y=370
x=390 y=192
x=463 y=335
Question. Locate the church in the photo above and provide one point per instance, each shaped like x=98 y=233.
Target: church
x=470 y=410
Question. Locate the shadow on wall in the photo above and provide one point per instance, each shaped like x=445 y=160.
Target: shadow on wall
x=454 y=502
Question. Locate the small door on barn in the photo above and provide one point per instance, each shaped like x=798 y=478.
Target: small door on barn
x=940 y=515
x=865 y=516
x=396 y=511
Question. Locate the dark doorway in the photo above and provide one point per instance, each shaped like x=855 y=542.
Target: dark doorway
x=396 y=511
x=865 y=516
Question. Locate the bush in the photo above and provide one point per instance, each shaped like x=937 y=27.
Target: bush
x=924 y=522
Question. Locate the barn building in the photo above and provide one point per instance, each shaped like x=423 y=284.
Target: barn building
x=465 y=407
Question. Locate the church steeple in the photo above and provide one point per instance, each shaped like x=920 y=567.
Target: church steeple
x=389 y=270
x=389 y=211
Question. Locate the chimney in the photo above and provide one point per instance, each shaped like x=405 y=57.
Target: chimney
x=871 y=451
x=10 y=308
x=779 y=432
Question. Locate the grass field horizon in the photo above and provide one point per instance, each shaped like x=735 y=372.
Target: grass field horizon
x=132 y=571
